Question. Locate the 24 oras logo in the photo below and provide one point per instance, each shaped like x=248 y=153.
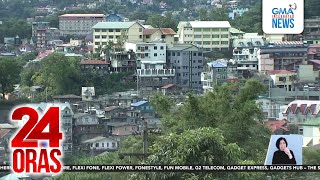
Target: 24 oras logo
x=31 y=152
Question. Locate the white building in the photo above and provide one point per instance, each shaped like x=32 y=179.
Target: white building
x=102 y=143
x=151 y=55
x=210 y=35
x=299 y=111
x=311 y=132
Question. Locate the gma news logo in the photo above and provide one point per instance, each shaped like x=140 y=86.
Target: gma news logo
x=36 y=148
x=283 y=16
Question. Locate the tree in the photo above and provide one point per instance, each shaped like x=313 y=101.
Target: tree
x=59 y=74
x=219 y=14
x=232 y=109
x=158 y=21
x=9 y=74
x=203 y=146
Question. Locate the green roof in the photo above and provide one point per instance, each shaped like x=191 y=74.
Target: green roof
x=113 y=25
x=311 y=122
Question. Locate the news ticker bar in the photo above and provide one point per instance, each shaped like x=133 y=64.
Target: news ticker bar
x=182 y=168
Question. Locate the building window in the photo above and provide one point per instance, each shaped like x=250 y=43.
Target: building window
x=104 y=37
x=216 y=36
x=140 y=36
x=102 y=144
x=197 y=36
x=110 y=30
x=97 y=43
x=224 y=29
x=163 y=36
x=215 y=42
x=97 y=30
x=206 y=36
x=224 y=35
x=155 y=54
x=147 y=36
x=110 y=37
x=97 y=144
x=117 y=30
x=224 y=42
x=178 y=53
x=155 y=47
x=161 y=47
x=104 y=30
x=140 y=29
x=97 y=37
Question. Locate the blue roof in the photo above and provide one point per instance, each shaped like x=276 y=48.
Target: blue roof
x=138 y=103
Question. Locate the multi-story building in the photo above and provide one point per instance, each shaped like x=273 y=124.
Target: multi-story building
x=187 y=60
x=245 y=51
x=287 y=55
x=237 y=12
x=156 y=34
x=209 y=35
x=117 y=32
x=78 y=24
x=311 y=25
x=152 y=59
x=216 y=73
x=314 y=51
x=283 y=78
x=124 y=61
x=39 y=33
x=39 y=26
x=299 y=111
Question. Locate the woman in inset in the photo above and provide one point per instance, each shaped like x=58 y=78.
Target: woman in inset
x=283 y=155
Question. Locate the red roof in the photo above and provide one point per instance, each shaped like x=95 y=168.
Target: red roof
x=303 y=109
x=277 y=124
x=166 y=31
x=167 y=86
x=274 y=72
x=149 y=31
x=95 y=62
x=293 y=108
x=312 y=108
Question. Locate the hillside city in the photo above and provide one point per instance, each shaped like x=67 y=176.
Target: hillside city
x=161 y=82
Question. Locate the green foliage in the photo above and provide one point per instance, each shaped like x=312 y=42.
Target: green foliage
x=204 y=146
x=13 y=27
x=250 y=21
x=162 y=104
x=59 y=74
x=9 y=74
x=158 y=21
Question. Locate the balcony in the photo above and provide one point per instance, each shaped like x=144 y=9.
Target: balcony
x=156 y=72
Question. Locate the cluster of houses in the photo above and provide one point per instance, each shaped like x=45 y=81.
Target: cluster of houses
x=171 y=61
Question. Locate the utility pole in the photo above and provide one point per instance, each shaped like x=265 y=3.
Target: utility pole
x=145 y=153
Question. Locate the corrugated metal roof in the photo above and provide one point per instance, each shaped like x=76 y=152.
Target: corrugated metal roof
x=138 y=103
x=208 y=24
x=82 y=15
x=6 y=126
x=113 y=25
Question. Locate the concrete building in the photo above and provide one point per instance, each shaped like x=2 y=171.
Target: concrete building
x=209 y=35
x=237 y=12
x=283 y=79
x=155 y=34
x=310 y=130
x=187 y=60
x=314 y=51
x=285 y=55
x=39 y=26
x=311 y=25
x=299 y=111
x=78 y=24
x=153 y=71
x=117 y=32
x=216 y=73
